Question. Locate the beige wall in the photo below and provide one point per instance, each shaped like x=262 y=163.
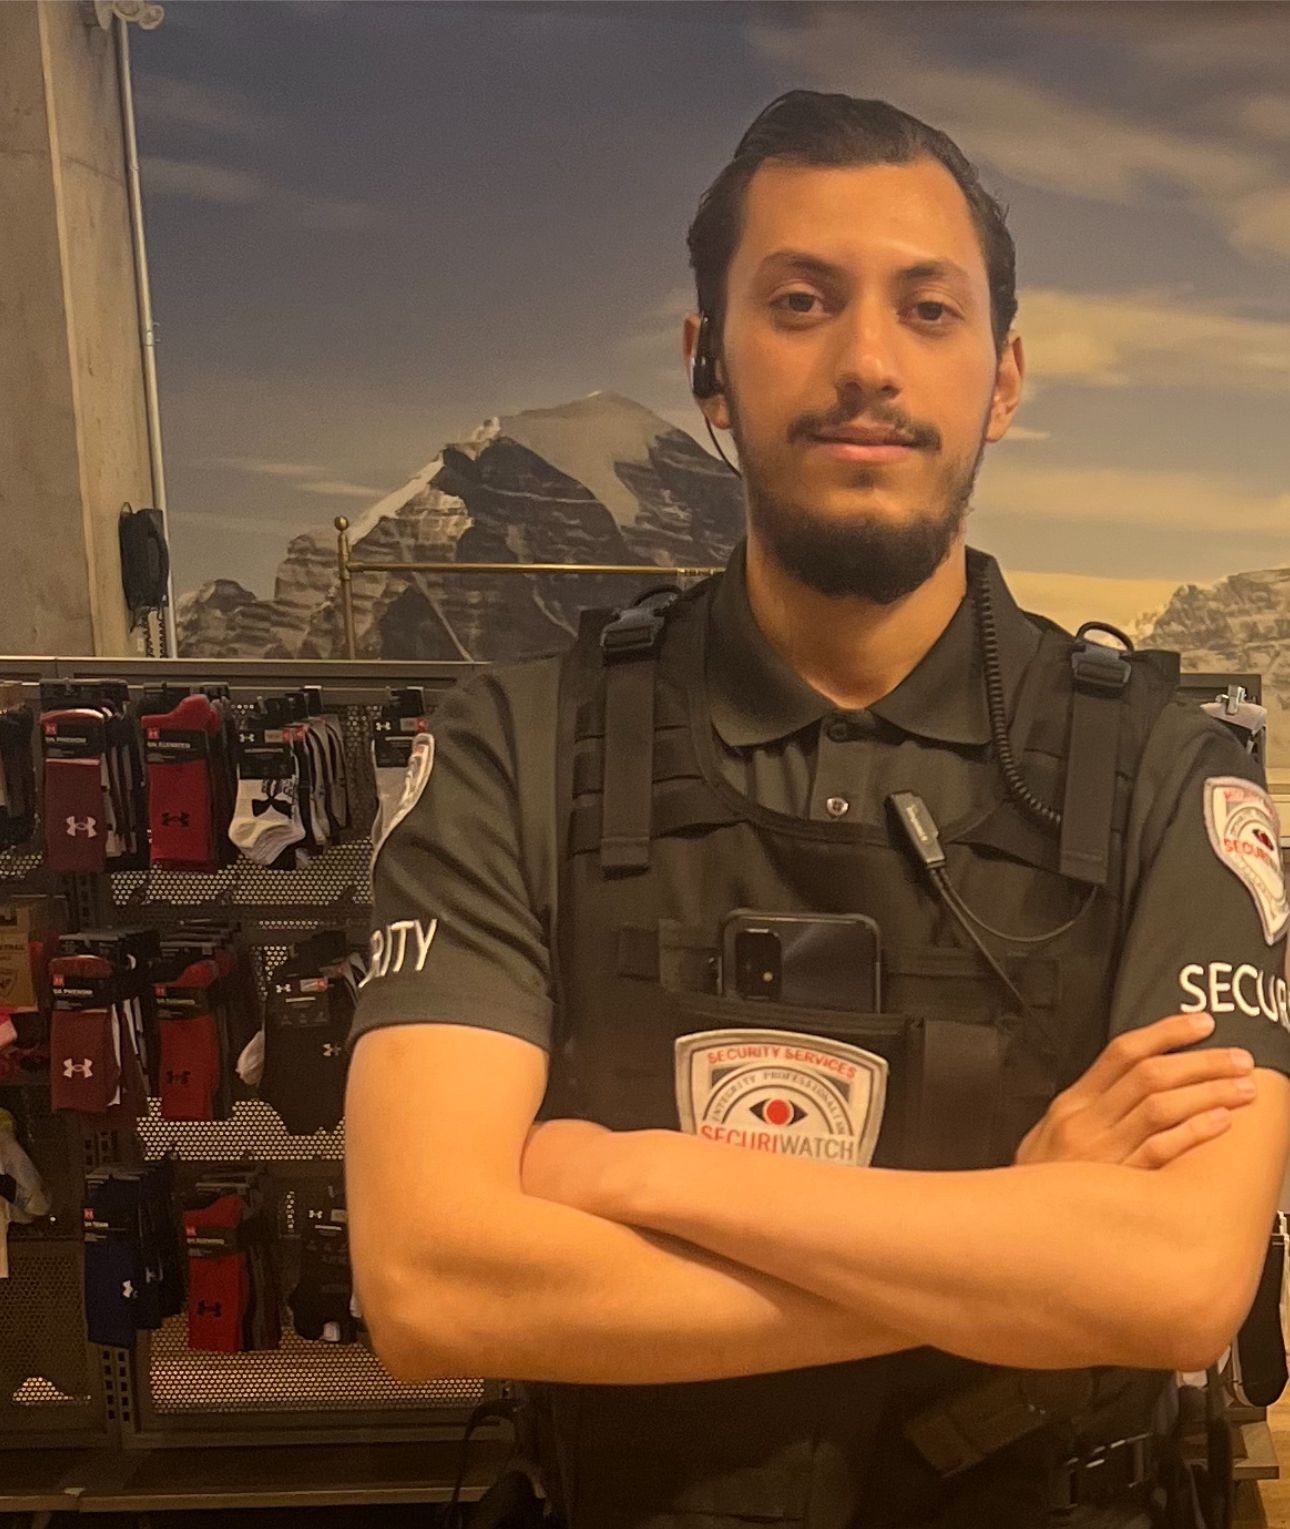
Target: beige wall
x=73 y=428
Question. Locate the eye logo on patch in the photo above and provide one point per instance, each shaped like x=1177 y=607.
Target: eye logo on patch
x=1245 y=833
x=777 y=1112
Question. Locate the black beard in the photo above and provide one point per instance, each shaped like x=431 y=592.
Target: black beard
x=865 y=556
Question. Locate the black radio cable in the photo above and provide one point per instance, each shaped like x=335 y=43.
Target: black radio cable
x=1040 y=812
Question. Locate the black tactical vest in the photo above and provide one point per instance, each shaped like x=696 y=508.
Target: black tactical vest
x=659 y=848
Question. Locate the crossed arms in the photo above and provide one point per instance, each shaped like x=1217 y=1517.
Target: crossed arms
x=484 y=1246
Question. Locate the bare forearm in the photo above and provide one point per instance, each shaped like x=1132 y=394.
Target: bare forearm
x=545 y=1292
x=1053 y=1266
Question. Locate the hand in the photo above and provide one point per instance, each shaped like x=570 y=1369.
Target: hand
x=1139 y=1108
x=567 y=1161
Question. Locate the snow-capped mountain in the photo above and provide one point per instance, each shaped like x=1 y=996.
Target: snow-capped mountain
x=598 y=480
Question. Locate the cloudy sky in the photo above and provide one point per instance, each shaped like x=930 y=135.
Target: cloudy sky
x=372 y=225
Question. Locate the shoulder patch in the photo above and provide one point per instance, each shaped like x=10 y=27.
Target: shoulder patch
x=415 y=779
x=1245 y=833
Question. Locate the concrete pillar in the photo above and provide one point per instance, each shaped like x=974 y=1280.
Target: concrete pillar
x=73 y=423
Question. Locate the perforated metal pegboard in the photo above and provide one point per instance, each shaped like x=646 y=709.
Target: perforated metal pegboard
x=301 y=1376
x=48 y=1382
x=178 y=1389
x=164 y=1390
x=16 y=866
x=254 y=1134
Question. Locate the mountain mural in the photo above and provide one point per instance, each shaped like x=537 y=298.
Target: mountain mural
x=1239 y=623
x=598 y=480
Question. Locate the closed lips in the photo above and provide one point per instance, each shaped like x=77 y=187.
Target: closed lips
x=866 y=437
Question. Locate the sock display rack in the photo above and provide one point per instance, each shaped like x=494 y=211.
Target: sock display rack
x=161 y=1425
x=158 y=1424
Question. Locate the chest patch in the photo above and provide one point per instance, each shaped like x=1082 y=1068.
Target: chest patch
x=782 y=1092
x=1246 y=836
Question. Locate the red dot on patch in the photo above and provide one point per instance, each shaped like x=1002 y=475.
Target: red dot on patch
x=778 y=1113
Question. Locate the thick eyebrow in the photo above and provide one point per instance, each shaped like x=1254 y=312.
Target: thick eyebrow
x=923 y=270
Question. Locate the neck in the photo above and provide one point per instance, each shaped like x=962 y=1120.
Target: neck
x=849 y=649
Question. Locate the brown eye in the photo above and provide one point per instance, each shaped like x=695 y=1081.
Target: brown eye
x=809 y=297
x=931 y=303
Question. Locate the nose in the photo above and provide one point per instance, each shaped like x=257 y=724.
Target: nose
x=867 y=357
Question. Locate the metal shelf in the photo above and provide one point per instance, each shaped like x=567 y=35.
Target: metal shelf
x=299 y=1476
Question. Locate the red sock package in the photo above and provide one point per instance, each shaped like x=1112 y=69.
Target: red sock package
x=219 y=1279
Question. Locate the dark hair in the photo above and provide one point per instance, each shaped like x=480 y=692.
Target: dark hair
x=808 y=127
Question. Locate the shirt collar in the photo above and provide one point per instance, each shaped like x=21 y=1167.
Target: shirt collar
x=756 y=698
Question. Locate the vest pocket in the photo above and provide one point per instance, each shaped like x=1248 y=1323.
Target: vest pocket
x=777 y=1092
x=948 y=1099
x=963 y=1083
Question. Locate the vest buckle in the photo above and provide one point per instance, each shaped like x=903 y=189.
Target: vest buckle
x=1099 y=669
x=1102 y=1474
x=633 y=631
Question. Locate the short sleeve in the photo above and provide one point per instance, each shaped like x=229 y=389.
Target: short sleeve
x=462 y=883
x=1207 y=913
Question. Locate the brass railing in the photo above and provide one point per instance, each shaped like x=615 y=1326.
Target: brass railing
x=346 y=565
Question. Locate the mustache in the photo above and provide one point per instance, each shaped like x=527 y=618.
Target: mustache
x=925 y=436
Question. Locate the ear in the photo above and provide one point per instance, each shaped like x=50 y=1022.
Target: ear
x=1006 y=397
x=714 y=408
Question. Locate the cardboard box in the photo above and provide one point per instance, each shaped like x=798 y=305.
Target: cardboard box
x=29 y=930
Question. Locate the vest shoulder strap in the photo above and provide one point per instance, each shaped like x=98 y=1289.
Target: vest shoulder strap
x=1097 y=706
x=629 y=645
x=629 y=642
x=1115 y=697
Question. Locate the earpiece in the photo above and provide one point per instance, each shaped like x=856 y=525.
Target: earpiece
x=703 y=377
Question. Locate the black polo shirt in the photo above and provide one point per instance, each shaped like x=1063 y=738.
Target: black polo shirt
x=464 y=886
x=789 y=748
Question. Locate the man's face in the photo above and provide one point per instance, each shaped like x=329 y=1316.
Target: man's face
x=890 y=329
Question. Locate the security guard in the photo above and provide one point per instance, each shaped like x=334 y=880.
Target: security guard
x=856 y=718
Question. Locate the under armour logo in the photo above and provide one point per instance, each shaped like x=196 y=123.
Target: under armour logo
x=178 y=1077
x=86 y=826
x=128 y=1291
x=330 y=1049
x=170 y=819
x=280 y=804
x=210 y=1308
x=85 y=1068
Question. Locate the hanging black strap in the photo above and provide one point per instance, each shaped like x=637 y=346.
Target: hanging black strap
x=1101 y=675
x=629 y=645
x=958 y=1089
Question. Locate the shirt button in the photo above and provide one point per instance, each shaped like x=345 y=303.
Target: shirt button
x=838 y=730
x=837 y=806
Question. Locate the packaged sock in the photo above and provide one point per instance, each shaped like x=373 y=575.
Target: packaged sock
x=218 y=1275
x=113 y=1265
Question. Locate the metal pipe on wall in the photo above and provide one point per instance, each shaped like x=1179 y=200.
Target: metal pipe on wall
x=346 y=588
x=345 y=566
x=147 y=330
